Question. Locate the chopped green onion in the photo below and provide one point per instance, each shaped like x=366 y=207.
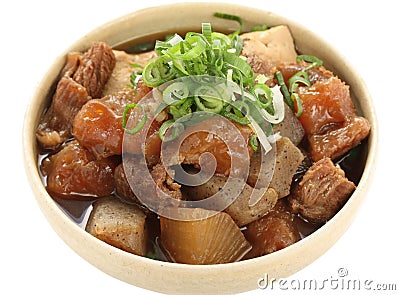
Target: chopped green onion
x=253 y=142
x=175 y=92
x=298 y=106
x=230 y=17
x=259 y=28
x=125 y=116
x=208 y=99
x=206 y=31
x=158 y=71
x=175 y=131
x=284 y=89
x=299 y=77
x=315 y=62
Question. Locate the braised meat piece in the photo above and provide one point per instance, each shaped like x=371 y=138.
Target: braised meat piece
x=329 y=119
x=266 y=49
x=322 y=192
x=83 y=78
x=160 y=179
x=98 y=126
x=122 y=186
x=200 y=142
x=74 y=171
x=165 y=182
x=95 y=68
x=55 y=126
x=273 y=232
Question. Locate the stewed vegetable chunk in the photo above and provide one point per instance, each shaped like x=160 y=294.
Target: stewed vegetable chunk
x=119 y=224
x=211 y=240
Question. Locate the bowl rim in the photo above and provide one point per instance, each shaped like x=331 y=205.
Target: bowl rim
x=75 y=236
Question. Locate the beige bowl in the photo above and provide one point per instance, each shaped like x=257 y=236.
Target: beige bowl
x=180 y=278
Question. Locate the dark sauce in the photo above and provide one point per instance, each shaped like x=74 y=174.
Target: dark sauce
x=78 y=210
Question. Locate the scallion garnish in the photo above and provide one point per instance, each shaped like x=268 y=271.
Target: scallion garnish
x=259 y=28
x=220 y=82
x=299 y=77
x=253 y=142
x=284 y=89
x=315 y=62
x=231 y=17
x=125 y=115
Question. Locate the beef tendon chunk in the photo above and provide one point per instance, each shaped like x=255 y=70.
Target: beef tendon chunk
x=98 y=125
x=329 y=119
x=340 y=140
x=83 y=78
x=200 y=142
x=95 y=68
x=56 y=125
x=322 y=192
x=74 y=171
x=273 y=232
x=119 y=224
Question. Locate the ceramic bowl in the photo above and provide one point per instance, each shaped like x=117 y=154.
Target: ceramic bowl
x=181 y=278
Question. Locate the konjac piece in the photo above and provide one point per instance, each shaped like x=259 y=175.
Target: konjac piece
x=211 y=240
x=240 y=209
x=322 y=192
x=288 y=157
x=74 y=171
x=119 y=224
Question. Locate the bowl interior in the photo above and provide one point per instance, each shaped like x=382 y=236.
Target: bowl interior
x=179 y=278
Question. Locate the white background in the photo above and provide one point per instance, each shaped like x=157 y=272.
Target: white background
x=35 y=260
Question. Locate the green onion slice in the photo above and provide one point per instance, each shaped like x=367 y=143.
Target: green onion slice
x=208 y=99
x=158 y=71
x=298 y=106
x=253 y=141
x=177 y=129
x=175 y=92
x=231 y=17
x=315 y=62
x=125 y=117
x=299 y=77
x=284 y=89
